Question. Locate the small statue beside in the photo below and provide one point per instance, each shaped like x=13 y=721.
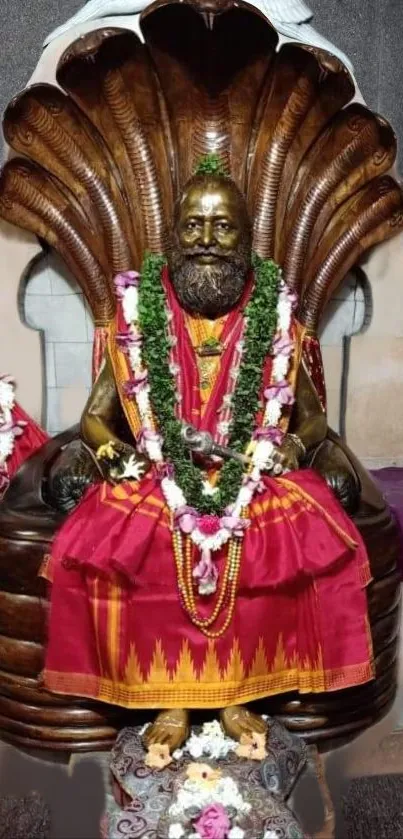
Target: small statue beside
x=208 y=569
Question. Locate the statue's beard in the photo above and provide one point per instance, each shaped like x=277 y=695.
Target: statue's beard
x=209 y=290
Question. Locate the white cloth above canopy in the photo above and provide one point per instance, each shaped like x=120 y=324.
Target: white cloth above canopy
x=290 y=18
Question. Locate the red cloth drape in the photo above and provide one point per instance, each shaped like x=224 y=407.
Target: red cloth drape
x=98 y=349
x=32 y=438
x=313 y=358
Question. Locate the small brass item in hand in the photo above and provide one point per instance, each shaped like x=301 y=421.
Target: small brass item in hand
x=201 y=442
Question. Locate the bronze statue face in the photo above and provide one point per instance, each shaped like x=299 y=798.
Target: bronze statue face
x=211 y=249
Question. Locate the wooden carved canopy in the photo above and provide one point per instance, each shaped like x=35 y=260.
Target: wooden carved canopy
x=106 y=154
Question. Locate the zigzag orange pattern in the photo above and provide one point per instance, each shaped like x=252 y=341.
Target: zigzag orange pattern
x=212 y=686
x=212 y=673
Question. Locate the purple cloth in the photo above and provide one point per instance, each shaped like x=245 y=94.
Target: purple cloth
x=390 y=480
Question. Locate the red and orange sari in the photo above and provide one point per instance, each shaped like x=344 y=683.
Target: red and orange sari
x=117 y=629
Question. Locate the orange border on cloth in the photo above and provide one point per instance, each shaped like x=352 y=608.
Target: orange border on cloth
x=213 y=696
x=305 y=496
x=210 y=688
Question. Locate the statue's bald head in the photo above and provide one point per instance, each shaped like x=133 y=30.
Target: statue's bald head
x=211 y=247
x=218 y=192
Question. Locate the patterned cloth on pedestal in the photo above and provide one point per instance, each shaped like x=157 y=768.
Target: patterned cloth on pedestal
x=143 y=796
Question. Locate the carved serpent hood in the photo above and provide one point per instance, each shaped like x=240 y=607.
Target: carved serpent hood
x=106 y=154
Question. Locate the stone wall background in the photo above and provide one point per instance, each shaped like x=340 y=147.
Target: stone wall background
x=53 y=303
x=370 y=32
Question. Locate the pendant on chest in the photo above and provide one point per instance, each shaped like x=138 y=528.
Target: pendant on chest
x=210 y=348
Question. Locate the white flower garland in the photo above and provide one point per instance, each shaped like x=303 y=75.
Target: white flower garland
x=192 y=795
x=212 y=742
x=9 y=430
x=262 y=447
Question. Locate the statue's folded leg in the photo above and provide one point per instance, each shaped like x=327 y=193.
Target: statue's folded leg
x=332 y=463
x=70 y=475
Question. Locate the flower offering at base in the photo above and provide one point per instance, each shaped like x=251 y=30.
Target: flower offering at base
x=206 y=790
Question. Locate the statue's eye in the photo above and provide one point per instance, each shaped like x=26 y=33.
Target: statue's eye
x=191 y=225
x=222 y=226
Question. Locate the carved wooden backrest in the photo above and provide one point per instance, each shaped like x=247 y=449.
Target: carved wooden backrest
x=107 y=153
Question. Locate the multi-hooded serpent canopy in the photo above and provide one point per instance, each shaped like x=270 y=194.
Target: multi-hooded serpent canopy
x=107 y=152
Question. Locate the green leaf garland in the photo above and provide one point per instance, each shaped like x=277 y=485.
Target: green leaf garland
x=261 y=322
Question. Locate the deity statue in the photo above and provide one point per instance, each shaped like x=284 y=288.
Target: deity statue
x=201 y=582
x=209 y=541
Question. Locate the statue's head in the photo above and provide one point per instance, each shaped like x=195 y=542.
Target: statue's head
x=211 y=246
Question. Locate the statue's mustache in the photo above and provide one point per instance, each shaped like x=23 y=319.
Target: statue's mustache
x=190 y=253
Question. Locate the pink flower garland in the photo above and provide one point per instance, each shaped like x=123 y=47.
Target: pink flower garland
x=213 y=823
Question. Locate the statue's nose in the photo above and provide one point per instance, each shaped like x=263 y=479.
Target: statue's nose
x=207 y=234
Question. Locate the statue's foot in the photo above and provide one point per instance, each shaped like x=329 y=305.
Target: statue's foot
x=170 y=728
x=237 y=721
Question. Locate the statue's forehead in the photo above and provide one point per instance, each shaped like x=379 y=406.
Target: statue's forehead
x=209 y=200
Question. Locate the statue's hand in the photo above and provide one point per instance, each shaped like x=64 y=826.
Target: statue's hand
x=69 y=476
x=121 y=461
x=125 y=450
x=287 y=456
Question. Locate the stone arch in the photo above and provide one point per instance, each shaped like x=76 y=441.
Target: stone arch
x=53 y=304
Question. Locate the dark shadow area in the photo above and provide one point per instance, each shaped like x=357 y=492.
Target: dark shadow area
x=307 y=803
x=76 y=803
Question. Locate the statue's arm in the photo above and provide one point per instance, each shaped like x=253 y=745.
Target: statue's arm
x=102 y=422
x=308 y=421
x=309 y=424
x=99 y=424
